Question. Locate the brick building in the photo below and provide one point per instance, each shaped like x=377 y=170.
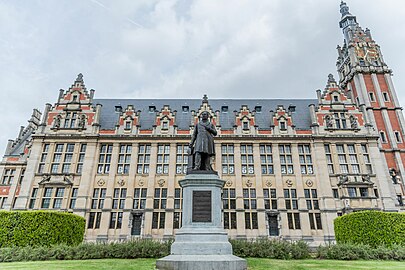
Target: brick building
x=291 y=166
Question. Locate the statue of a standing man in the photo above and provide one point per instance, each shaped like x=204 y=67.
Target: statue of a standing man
x=202 y=143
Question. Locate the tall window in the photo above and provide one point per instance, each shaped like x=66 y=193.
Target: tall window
x=344 y=167
x=246 y=152
x=249 y=204
x=73 y=198
x=311 y=197
x=228 y=160
x=119 y=198
x=94 y=220
x=70 y=120
x=20 y=179
x=286 y=159
x=305 y=157
x=116 y=220
x=159 y=204
x=98 y=198
x=366 y=158
x=124 y=159
x=44 y=155
x=8 y=176
x=57 y=201
x=294 y=222
x=140 y=198
x=67 y=160
x=162 y=166
x=3 y=201
x=80 y=160
x=57 y=157
x=331 y=169
x=33 y=198
x=178 y=198
x=143 y=159
x=270 y=198
x=290 y=196
x=266 y=159
x=229 y=206
x=340 y=120
x=104 y=159
x=46 y=198
x=348 y=157
x=181 y=159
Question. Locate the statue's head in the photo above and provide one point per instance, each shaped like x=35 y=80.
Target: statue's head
x=204 y=115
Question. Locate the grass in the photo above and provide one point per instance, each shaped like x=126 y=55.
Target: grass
x=253 y=264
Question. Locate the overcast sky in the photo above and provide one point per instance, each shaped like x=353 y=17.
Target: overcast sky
x=179 y=49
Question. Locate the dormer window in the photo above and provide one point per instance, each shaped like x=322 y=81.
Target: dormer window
x=336 y=98
x=74 y=99
x=245 y=125
x=185 y=109
x=128 y=124
x=70 y=120
x=224 y=109
x=340 y=120
x=165 y=124
x=258 y=109
x=152 y=109
x=362 y=63
x=283 y=125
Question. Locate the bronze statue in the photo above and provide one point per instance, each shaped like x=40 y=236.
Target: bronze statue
x=202 y=146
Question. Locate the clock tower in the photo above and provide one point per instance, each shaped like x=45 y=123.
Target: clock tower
x=366 y=78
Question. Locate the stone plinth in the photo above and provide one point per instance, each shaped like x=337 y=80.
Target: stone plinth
x=201 y=243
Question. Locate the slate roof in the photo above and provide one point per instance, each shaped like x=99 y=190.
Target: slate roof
x=109 y=117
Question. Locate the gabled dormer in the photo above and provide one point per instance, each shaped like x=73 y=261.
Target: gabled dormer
x=128 y=122
x=165 y=121
x=74 y=110
x=205 y=106
x=282 y=123
x=245 y=121
x=336 y=112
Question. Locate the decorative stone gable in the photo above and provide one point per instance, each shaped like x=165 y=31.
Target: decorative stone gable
x=336 y=112
x=74 y=111
x=245 y=121
x=204 y=107
x=165 y=121
x=128 y=122
x=282 y=122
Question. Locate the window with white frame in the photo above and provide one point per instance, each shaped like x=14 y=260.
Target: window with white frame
x=143 y=159
x=162 y=166
x=181 y=158
x=44 y=155
x=104 y=161
x=329 y=160
x=286 y=159
x=305 y=157
x=228 y=159
x=80 y=160
x=124 y=159
x=246 y=152
x=140 y=198
x=266 y=159
x=8 y=177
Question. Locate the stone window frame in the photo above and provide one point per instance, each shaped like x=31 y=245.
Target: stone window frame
x=8 y=176
x=143 y=161
x=286 y=159
x=266 y=159
x=305 y=157
x=124 y=158
x=181 y=158
x=140 y=195
x=119 y=196
x=163 y=159
x=247 y=159
x=270 y=198
x=80 y=160
x=228 y=158
x=229 y=208
x=104 y=160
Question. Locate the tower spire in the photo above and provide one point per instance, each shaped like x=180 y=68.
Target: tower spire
x=348 y=21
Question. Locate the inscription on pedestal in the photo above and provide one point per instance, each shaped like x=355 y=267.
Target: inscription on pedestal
x=201 y=206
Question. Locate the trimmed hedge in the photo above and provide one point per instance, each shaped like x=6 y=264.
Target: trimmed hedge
x=272 y=249
x=360 y=252
x=40 y=228
x=85 y=251
x=372 y=228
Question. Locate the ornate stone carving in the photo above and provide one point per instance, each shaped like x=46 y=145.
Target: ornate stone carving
x=229 y=183
x=141 y=183
x=289 y=182
x=249 y=183
x=269 y=183
x=309 y=183
x=161 y=182
x=121 y=182
x=101 y=182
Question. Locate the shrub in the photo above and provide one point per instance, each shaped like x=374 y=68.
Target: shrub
x=274 y=249
x=123 y=250
x=371 y=228
x=360 y=252
x=40 y=228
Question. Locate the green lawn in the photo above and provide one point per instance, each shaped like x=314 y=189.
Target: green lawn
x=253 y=263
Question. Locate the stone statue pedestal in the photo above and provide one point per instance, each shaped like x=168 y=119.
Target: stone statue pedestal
x=201 y=243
